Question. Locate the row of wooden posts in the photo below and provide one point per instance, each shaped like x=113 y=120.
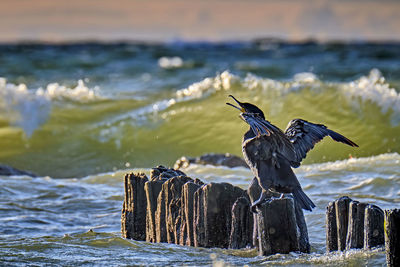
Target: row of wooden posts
x=172 y=207
x=353 y=224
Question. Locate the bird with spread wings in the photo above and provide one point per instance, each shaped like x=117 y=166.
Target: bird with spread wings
x=271 y=153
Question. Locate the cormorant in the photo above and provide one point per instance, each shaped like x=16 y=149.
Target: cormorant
x=271 y=153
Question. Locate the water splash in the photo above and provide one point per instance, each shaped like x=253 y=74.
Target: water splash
x=23 y=108
x=29 y=109
x=374 y=88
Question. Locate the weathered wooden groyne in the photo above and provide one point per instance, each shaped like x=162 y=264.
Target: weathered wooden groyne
x=392 y=237
x=174 y=208
x=353 y=224
x=171 y=207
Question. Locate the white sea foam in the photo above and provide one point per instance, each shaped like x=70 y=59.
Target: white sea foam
x=383 y=160
x=201 y=89
x=372 y=88
x=368 y=88
x=223 y=81
x=28 y=109
x=253 y=82
x=170 y=62
x=81 y=93
x=23 y=108
x=375 y=89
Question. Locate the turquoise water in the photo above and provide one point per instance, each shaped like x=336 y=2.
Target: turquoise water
x=82 y=115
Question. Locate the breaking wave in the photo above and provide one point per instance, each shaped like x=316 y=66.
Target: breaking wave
x=28 y=109
x=195 y=120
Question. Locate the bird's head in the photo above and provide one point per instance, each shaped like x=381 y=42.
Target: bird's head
x=247 y=107
x=253 y=116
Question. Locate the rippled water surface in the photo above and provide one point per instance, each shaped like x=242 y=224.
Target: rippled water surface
x=81 y=116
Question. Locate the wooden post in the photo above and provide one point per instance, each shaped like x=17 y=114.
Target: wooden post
x=254 y=192
x=161 y=173
x=216 y=200
x=133 y=223
x=184 y=211
x=331 y=228
x=277 y=227
x=152 y=189
x=373 y=227
x=304 y=243
x=342 y=219
x=242 y=224
x=159 y=218
x=188 y=191
x=392 y=237
x=168 y=209
x=355 y=232
x=360 y=223
x=199 y=236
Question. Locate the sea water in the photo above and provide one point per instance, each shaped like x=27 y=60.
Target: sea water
x=80 y=116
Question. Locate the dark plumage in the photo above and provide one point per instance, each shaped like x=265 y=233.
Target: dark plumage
x=270 y=153
x=304 y=135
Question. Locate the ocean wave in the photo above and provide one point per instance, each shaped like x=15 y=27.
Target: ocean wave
x=383 y=161
x=387 y=161
x=375 y=89
x=371 y=87
x=31 y=108
x=28 y=109
x=196 y=90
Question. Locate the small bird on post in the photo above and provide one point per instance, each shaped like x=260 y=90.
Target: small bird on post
x=271 y=153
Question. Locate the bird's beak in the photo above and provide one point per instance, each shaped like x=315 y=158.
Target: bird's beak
x=237 y=101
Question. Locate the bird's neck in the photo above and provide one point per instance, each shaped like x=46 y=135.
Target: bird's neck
x=249 y=134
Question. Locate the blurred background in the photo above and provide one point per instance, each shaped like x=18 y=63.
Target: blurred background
x=103 y=85
x=166 y=20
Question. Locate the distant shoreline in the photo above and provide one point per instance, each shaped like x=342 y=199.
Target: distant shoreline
x=255 y=41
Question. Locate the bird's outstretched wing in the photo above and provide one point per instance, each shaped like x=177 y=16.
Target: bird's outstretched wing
x=304 y=135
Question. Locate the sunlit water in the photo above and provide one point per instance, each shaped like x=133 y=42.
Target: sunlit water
x=94 y=112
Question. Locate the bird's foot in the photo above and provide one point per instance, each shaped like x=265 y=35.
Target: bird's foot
x=254 y=207
x=258 y=203
x=272 y=197
x=255 y=204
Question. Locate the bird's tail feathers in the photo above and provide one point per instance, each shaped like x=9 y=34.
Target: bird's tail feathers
x=305 y=202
